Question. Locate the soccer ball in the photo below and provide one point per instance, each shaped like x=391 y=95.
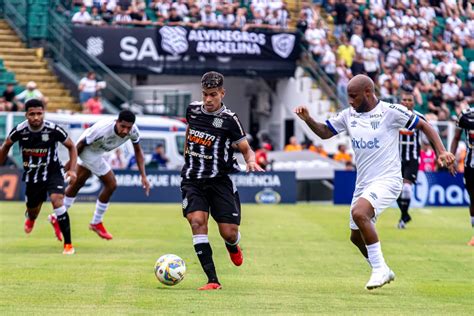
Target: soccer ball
x=170 y=269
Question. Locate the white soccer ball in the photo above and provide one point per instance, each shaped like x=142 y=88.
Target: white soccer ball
x=170 y=269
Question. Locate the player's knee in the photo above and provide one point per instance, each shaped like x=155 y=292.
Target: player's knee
x=359 y=216
x=198 y=224
x=56 y=201
x=112 y=186
x=230 y=234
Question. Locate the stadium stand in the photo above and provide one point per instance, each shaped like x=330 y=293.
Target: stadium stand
x=22 y=65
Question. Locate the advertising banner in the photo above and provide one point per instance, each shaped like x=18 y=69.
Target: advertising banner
x=188 y=47
x=432 y=189
x=269 y=188
x=10 y=184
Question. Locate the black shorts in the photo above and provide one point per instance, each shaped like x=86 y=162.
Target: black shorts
x=410 y=170
x=37 y=193
x=216 y=196
x=469 y=180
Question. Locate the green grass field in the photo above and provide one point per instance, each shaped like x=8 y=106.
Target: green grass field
x=298 y=260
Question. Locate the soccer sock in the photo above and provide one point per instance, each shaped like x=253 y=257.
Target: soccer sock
x=204 y=253
x=404 y=201
x=64 y=224
x=472 y=221
x=375 y=256
x=233 y=247
x=100 y=209
x=68 y=201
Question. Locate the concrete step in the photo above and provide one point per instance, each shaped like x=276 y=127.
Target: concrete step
x=56 y=92
x=17 y=51
x=32 y=71
x=55 y=106
x=25 y=64
x=9 y=38
x=24 y=78
x=7 y=32
x=60 y=99
x=25 y=58
x=16 y=44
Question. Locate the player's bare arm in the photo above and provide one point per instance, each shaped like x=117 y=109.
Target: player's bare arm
x=445 y=158
x=4 y=150
x=249 y=156
x=141 y=166
x=71 y=171
x=454 y=147
x=319 y=129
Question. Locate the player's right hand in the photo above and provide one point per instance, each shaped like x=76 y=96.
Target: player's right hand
x=452 y=170
x=302 y=112
x=70 y=176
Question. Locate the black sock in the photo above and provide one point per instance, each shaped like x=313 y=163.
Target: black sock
x=63 y=221
x=404 y=204
x=204 y=253
x=232 y=248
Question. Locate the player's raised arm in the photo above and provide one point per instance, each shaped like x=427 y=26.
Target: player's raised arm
x=141 y=166
x=320 y=129
x=249 y=156
x=445 y=158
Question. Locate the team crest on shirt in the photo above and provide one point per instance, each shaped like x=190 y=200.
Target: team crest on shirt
x=44 y=137
x=353 y=124
x=375 y=124
x=217 y=123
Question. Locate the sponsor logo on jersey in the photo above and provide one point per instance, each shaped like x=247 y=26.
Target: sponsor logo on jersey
x=35 y=152
x=201 y=138
x=377 y=115
x=268 y=196
x=362 y=144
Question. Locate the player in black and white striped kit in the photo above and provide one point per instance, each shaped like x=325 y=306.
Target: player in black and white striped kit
x=43 y=172
x=466 y=126
x=409 y=155
x=212 y=135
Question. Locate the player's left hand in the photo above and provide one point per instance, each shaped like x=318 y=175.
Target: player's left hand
x=146 y=185
x=70 y=176
x=253 y=166
x=446 y=159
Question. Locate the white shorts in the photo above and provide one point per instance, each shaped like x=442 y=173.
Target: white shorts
x=95 y=163
x=380 y=193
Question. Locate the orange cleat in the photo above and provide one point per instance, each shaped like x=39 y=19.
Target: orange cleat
x=237 y=258
x=471 y=242
x=29 y=224
x=100 y=230
x=68 y=249
x=54 y=222
x=210 y=286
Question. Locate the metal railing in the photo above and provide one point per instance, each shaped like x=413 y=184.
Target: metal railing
x=67 y=51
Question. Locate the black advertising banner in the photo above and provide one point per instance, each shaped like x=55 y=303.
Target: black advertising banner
x=182 y=47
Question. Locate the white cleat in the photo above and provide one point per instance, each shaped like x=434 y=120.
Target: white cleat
x=380 y=278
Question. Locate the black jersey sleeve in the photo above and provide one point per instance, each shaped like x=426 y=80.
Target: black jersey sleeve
x=60 y=134
x=14 y=135
x=236 y=131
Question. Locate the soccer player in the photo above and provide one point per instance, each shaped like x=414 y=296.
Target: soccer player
x=212 y=134
x=104 y=136
x=373 y=126
x=43 y=172
x=466 y=125
x=409 y=154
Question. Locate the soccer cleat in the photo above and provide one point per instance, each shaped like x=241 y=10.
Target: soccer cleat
x=68 y=249
x=210 y=286
x=29 y=224
x=379 y=278
x=471 y=242
x=54 y=222
x=100 y=230
x=401 y=224
x=237 y=258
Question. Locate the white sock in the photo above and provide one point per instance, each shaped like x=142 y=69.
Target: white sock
x=375 y=256
x=100 y=209
x=60 y=210
x=236 y=242
x=200 y=239
x=472 y=221
x=68 y=201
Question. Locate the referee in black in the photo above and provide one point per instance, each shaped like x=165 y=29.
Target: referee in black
x=213 y=133
x=43 y=172
x=409 y=155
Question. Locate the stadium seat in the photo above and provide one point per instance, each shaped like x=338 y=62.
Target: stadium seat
x=469 y=54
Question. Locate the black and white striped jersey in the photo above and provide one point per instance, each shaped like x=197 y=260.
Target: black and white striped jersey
x=410 y=142
x=469 y=160
x=39 y=150
x=210 y=136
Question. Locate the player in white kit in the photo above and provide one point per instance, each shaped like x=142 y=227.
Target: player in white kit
x=374 y=127
x=104 y=136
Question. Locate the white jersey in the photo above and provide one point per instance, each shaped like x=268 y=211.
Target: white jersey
x=101 y=138
x=375 y=137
